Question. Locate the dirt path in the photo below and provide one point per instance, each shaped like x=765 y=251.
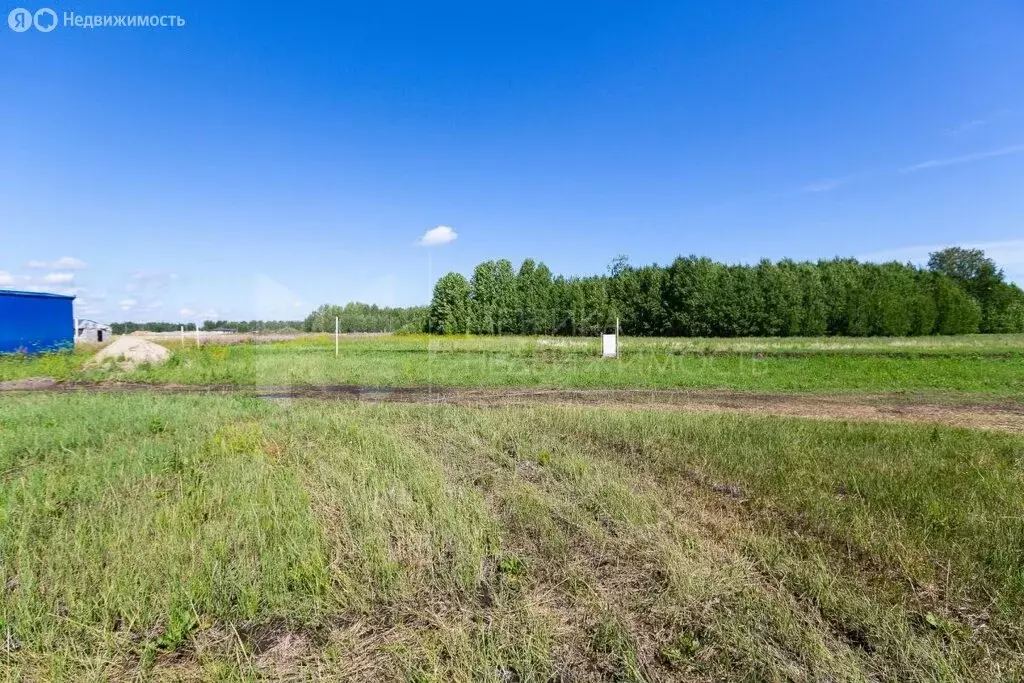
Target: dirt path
x=1004 y=415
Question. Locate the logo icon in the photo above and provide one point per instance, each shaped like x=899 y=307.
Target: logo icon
x=20 y=19
x=45 y=20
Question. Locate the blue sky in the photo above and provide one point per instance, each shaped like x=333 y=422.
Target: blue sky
x=266 y=158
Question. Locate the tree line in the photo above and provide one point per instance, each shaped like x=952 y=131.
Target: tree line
x=253 y=325
x=353 y=317
x=129 y=327
x=961 y=291
x=208 y=325
x=359 y=317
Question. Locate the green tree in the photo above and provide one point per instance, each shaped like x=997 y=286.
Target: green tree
x=814 y=320
x=956 y=311
x=699 y=297
x=493 y=293
x=969 y=267
x=533 y=294
x=1005 y=310
x=691 y=291
x=506 y=308
x=358 y=317
x=484 y=298
x=636 y=297
x=783 y=300
x=981 y=278
x=450 y=305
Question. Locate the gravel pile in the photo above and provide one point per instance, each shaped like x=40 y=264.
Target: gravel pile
x=131 y=351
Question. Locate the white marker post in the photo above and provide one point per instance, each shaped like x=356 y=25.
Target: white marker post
x=610 y=343
x=182 y=336
x=337 y=325
x=197 y=335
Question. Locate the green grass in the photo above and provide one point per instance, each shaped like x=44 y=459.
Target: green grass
x=575 y=363
x=980 y=364
x=230 y=538
x=62 y=365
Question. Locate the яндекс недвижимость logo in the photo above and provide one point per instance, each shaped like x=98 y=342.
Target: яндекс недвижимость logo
x=45 y=20
x=21 y=20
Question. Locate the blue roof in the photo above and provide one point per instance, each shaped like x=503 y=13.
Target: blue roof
x=47 y=295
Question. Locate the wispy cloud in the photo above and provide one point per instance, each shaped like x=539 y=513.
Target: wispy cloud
x=54 y=289
x=58 y=278
x=63 y=263
x=966 y=126
x=963 y=159
x=127 y=304
x=6 y=279
x=973 y=124
x=435 y=237
x=829 y=184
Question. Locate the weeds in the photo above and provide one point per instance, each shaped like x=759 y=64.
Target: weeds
x=230 y=538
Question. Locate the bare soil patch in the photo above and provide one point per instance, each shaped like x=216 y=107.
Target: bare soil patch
x=1004 y=415
x=28 y=384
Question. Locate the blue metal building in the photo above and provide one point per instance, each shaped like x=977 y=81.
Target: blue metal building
x=34 y=321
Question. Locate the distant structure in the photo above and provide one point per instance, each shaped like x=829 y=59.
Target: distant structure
x=33 y=322
x=92 y=331
x=224 y=330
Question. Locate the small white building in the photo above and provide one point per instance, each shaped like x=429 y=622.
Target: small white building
x=92 y=331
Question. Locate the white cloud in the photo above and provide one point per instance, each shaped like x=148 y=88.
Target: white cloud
x=63 y=263
x=127 y=304
x=6 y=278
x=435 y=237
x=54 y=289
x=187 y=313
x=55 y=278
x=964 y=159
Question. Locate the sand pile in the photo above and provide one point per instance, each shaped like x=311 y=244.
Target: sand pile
x=131 y=351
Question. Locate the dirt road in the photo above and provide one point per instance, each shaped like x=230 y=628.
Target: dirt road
x=1003 y=415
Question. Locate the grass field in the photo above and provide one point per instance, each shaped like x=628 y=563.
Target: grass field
x=232 y=538
x=981 y=364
